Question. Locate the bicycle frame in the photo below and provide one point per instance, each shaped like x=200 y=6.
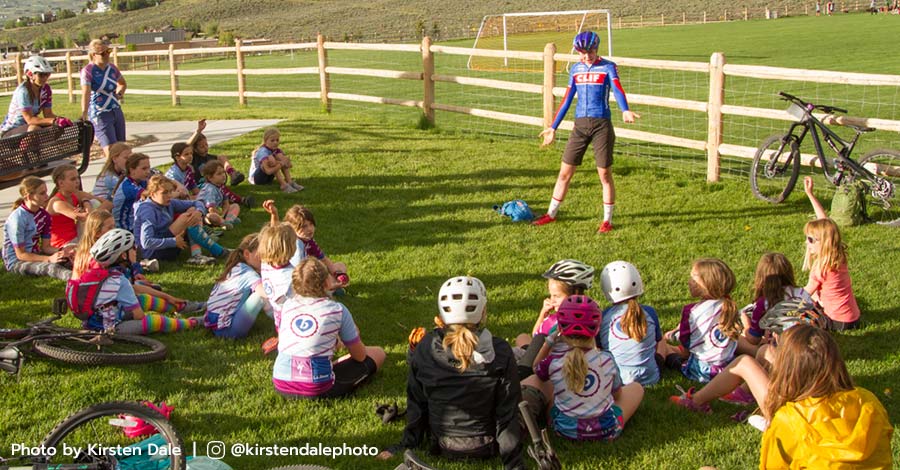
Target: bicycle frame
x=842 y=148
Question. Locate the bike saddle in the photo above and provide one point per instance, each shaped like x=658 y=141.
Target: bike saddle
x=11 y=360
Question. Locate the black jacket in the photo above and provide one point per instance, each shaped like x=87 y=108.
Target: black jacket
x=482 y=401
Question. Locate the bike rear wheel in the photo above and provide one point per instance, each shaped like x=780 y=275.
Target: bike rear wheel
x=882 y=198
x=775 y=168
x=97 y=434
x=101 y=349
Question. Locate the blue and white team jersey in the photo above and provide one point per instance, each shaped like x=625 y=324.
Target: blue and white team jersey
x=276 y=282
x=600 y=383
x=307 y=335
x=124 y=201
x=116 y=296
x=21 y=101
x=700 y=334
x=228 y=295
x=20 y=231
x=592 y=82
x=261 y=154
x=103 y=83
x=300 y=254
x=211 y=195
x=105 y=185
x=186 y=176
x=635 y=359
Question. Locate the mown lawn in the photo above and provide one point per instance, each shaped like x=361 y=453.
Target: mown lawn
x=405 y=209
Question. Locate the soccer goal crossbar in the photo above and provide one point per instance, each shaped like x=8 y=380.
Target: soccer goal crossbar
x=584 y=16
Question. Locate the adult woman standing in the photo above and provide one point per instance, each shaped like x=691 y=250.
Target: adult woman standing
x=31 y=107
x=102 y=87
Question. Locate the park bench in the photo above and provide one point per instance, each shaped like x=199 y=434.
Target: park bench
x=38 y=153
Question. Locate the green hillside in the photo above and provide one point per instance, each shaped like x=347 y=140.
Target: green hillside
x=371 y=21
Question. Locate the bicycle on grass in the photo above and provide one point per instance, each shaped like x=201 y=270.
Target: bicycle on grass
x=776 y=165
x=74 y=346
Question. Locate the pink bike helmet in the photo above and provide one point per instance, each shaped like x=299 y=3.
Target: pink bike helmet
x=578 y=315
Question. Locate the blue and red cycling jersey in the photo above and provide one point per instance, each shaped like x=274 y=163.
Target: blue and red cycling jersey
x=592 y=83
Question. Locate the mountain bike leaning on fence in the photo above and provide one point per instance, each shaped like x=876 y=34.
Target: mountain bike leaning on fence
x=74 y=346
x=776 y=165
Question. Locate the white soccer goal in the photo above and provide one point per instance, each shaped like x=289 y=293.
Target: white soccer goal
x=525 y=31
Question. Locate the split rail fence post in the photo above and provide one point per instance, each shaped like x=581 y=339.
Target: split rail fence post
x=714 y=111
x=70 y=83
x=18 y=68
x=324 y=79
x=427 y=78
x=242 y=84
x=549 y=83
x=115 y=56
x=173 y=79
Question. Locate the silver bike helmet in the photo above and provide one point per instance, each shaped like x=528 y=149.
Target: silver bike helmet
x=572 y=272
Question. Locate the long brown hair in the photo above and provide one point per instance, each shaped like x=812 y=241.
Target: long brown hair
x=575 y=366
x=716 y=282
x=774 y=273
x=634 y=323
x=832 y=250
x=27 y=188
x=807 y=364
x=177 y=149
x=116 y=149
x=460 y=339
x=249 y=243
x=58 y=174
x=309 y=277
x=296 y=215
x=92 y=225
x=131 y=163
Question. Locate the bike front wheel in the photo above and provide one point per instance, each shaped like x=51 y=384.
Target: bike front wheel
x=882 y=198
x=96 y=349
x=775 y=168
x=94 y=438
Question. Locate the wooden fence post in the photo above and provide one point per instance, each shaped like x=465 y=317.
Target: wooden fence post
x=242 y=85
x=427 y=74
x=324 y=79
x=173 y=79
x=726 y=15
x=549 y=83
x=662 y=20
x=714 y=111
x=115 y=56
x=18 y=68
x=704 y=17
x=746 y=14
x=683 y=18
x=70 y=83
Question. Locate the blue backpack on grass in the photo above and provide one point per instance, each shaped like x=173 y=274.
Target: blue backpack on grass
x=516 y=210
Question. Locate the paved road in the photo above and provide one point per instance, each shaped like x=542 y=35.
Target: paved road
x=166 y=133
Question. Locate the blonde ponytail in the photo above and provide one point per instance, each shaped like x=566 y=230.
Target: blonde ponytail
x=633 y=323
x=575 y=366
x=729 y=321
x=461 y=340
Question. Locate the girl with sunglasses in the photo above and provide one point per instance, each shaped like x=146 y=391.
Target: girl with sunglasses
x=102 y=88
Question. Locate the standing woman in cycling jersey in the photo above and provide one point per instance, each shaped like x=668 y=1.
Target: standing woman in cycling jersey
x=32 y=99
x=102 y=88
x=592 y=79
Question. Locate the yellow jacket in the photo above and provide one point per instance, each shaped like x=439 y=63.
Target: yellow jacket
x=847 y=430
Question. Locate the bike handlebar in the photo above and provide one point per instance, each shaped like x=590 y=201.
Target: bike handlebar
x=821 y=107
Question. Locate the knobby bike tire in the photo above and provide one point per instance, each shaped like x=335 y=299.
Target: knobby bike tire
x=759 y=177
x=86 y=426
x=124 y=349
x=880 y=209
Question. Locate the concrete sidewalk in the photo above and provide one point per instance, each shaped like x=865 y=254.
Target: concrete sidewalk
x=166 y=133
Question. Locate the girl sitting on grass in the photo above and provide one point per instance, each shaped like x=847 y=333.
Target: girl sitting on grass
x=112 y=171
x=68 y=206
x=309 y=327
x=26 y=247
x=270 y=163
x=238 y=295
x=220 y=211
x=202 y=156
x=129 y=189
x=302 y=221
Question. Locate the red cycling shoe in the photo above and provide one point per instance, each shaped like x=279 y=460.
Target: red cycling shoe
x=544 y=220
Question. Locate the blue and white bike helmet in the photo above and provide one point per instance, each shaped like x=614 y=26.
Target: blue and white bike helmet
x=586 y=41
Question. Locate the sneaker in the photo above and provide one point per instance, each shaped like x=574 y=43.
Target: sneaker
x=544 y=220
x=192 y=306
x=686 y=400
x=296 y=186
x=248 y=201
x=288 y=189
x=758 y=422
x=739 y=396
x=150 y=265
x=605 y=227
x=236 y=178
x=270 y=345
x=213 y=231
x=200 y=260
x=228 y=226
x=226 y=252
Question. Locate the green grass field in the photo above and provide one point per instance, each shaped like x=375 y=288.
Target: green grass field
x=406 y=209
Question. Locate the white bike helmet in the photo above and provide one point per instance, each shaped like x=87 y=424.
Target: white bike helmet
x=572 y=272
x=620 y=280
x=462 y=300
x=37 y=64
x=109 y=247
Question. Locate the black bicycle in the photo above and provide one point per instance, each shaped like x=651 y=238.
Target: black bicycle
x=73 y=346
x=93 y=439
x=776 y=165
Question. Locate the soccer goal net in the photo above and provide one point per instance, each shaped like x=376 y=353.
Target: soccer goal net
x=531 y=31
